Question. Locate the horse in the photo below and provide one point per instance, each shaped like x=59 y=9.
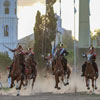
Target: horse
x=16 y=73
x=31 y=69
x=58 y=71
x=90 y=73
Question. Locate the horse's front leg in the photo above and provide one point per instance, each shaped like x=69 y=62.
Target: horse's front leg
x=68 y=76
x=87 y=83
x=57 y=81
x=12 y=82
x=95 y=84
x=34 y=78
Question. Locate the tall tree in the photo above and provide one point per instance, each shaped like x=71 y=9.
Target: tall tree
x=38 y=34
x=45 y=30
x=51 y=26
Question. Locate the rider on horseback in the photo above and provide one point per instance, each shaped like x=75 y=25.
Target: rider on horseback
x=93 y=58
x=62 y=52
x=33 y=66
x=19 y=49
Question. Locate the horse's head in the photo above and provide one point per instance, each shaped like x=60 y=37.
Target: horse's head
x=20 y=56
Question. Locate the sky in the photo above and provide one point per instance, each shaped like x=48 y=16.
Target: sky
x=27 y=10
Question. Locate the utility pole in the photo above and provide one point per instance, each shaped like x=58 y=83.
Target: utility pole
x=74 y=39
x=60 y=23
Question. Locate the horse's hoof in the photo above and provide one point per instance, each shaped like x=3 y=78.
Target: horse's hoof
x=96 y=88
x=55 y=86
x=11 y=86
x=17 y=88
x=18 y=95
x=88 y=88
x=58 y=88
x=66 y=84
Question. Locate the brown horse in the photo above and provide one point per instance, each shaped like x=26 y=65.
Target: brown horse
x=58 y=71
x=16 y=73
x=31 y=69
x=90 y=73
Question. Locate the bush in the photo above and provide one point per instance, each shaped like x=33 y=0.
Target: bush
x=4 y=61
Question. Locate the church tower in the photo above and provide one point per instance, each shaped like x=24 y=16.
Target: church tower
x=8 y=25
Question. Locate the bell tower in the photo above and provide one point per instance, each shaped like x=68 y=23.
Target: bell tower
x=8 y=25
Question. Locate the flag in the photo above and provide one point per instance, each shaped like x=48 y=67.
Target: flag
x=74 y=8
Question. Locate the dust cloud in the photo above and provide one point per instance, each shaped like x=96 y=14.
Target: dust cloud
x=45 y=83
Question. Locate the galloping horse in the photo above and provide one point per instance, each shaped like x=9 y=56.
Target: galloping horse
x=16 y=73
x=58 y=71
x=31 y=70
x=90 y=73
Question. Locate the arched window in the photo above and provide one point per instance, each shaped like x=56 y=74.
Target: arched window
x=15 y=11
x=6 y=6
x=6 y=30
x=7 y=10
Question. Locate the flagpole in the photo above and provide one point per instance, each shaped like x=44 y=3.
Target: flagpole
x=60 y=23
x=74 y=40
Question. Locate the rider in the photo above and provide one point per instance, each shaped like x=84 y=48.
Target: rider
x=93 y=54
x=19 y=49
x=30 y=51
x=63 y=53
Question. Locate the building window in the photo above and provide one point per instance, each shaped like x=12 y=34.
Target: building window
x=6 y=10
x=15 y=11
x=6 y=30
x=6 y=6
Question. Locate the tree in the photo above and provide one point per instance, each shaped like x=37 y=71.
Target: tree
x=45 y=30
x=38 y=34
x=51 y=26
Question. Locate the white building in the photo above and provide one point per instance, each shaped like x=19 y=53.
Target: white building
x=8 y=25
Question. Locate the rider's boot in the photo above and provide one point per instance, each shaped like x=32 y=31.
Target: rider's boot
x=82 y=75
x=9 y=75
x=65 y=68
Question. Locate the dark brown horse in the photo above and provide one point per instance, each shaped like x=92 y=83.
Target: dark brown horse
x=90 y=73
x=31 y=69
x=58 y=71
x=16 y=73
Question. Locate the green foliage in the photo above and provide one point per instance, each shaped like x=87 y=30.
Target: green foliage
x=38 y=35
x=68 y=45
x=51 y=26
x=4 y=61
x=45 y=31
x=70 y=57
x=97 y=32
x=68 y=41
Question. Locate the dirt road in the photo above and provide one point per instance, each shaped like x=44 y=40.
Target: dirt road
x=50 y=96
